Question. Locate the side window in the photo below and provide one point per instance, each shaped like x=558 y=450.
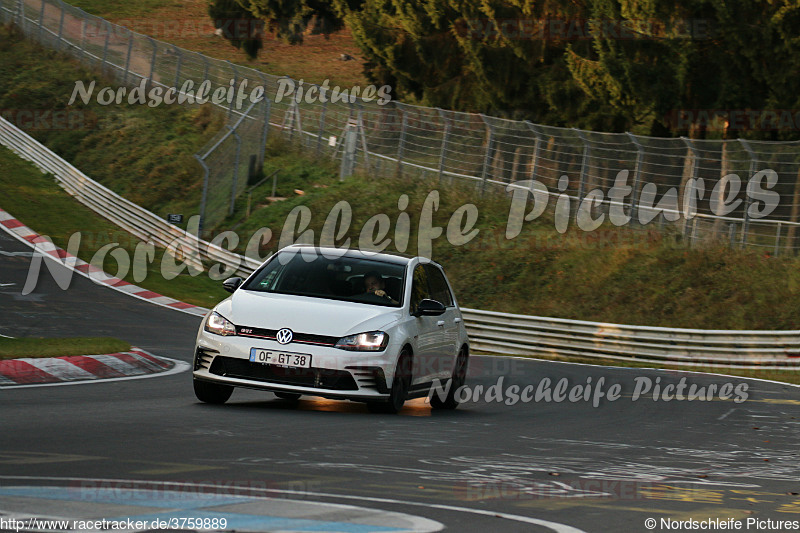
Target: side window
x=439 y=289
x=419 y=287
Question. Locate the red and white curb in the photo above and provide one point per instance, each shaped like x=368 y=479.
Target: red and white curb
x=42 y=244
x=135 y=363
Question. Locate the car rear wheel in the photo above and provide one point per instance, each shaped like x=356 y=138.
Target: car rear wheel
x=212 y=392
x=400 y=386
x=457 y=380
x=290 y=396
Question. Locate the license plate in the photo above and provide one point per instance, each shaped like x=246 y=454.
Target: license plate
x=271 y=357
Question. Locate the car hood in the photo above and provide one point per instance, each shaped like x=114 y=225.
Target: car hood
x=305 y=314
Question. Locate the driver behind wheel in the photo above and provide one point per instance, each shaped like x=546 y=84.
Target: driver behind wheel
x=375 y=284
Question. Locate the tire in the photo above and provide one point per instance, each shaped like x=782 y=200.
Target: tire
x=457 y=380
x=209 y=392
x=400 y=386
x=289 y=396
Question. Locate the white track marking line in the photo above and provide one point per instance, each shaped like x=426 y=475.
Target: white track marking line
x=554 y=526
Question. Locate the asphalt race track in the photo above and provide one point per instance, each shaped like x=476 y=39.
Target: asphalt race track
x=147 y=448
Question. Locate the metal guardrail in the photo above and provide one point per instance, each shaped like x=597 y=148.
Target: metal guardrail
x=489 y=331
x=138 y=221
x=505 y=333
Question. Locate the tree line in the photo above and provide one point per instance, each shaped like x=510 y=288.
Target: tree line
x=699 y=68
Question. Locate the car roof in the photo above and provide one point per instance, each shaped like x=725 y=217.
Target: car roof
x=388 y=257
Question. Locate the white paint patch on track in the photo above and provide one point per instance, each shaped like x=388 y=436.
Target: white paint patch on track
x=552 y=526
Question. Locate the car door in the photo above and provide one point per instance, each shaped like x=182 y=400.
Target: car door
x=429 y=334
x=449 y=322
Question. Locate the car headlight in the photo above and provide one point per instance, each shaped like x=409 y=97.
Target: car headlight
x=218 y=324
x=373 y=341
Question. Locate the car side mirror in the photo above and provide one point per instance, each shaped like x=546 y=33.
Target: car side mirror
x=231 y=284
x=429 y=308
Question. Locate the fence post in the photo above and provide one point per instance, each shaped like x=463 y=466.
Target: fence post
x=152 y=60
x=21 y=14
x=321 y=130
x=235 y=80
x=360 y=131
x=60 y=25
x=637 y=170
x=402 y=141
x=235 y=168
x=584 y=163
x=488 y=155
x=264 y=132
x=204 y=197
x=205 y=68
x=732 y=234
x=777 y=239
x=349 y=149
x=687 y=209
x=178 y=66
x=536 y=145
x=128 y=59
x=105 y=47
x=445 y=139
x=748 y=200
x=83 y=38
x=41 y=20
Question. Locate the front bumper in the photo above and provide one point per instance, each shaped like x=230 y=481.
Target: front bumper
x=334 y=373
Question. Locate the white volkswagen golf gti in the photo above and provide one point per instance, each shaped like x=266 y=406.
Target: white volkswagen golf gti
x=370 y=327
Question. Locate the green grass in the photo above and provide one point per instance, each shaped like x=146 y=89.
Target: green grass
x=35 y=347
x=106 y=9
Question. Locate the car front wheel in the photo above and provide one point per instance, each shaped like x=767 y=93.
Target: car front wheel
x=212 y=392
x=400 y=386
x=457 y=380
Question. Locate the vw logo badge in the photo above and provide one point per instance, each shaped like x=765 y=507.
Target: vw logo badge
x=284 y=336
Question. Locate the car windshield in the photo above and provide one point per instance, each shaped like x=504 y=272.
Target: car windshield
x=351 y=279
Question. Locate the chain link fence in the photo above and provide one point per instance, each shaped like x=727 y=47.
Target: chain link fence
x=704 y=188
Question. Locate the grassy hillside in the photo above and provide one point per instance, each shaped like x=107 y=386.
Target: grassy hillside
x=612 y=275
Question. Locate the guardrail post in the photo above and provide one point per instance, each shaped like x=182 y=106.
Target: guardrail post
x=235 y=180
x=128 y=58
x=321 y=130
x=488 y=155
x=60 y=25
x=584 y=163
x=402 y=141
x=748 y=200
x=235 y=80
x=178 y=66
x=204 y=197
x=445 y=139
x=687 y=209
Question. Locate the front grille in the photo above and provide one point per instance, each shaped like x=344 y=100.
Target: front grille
x=320 y=378
x=203 y=357
x=299 y=338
